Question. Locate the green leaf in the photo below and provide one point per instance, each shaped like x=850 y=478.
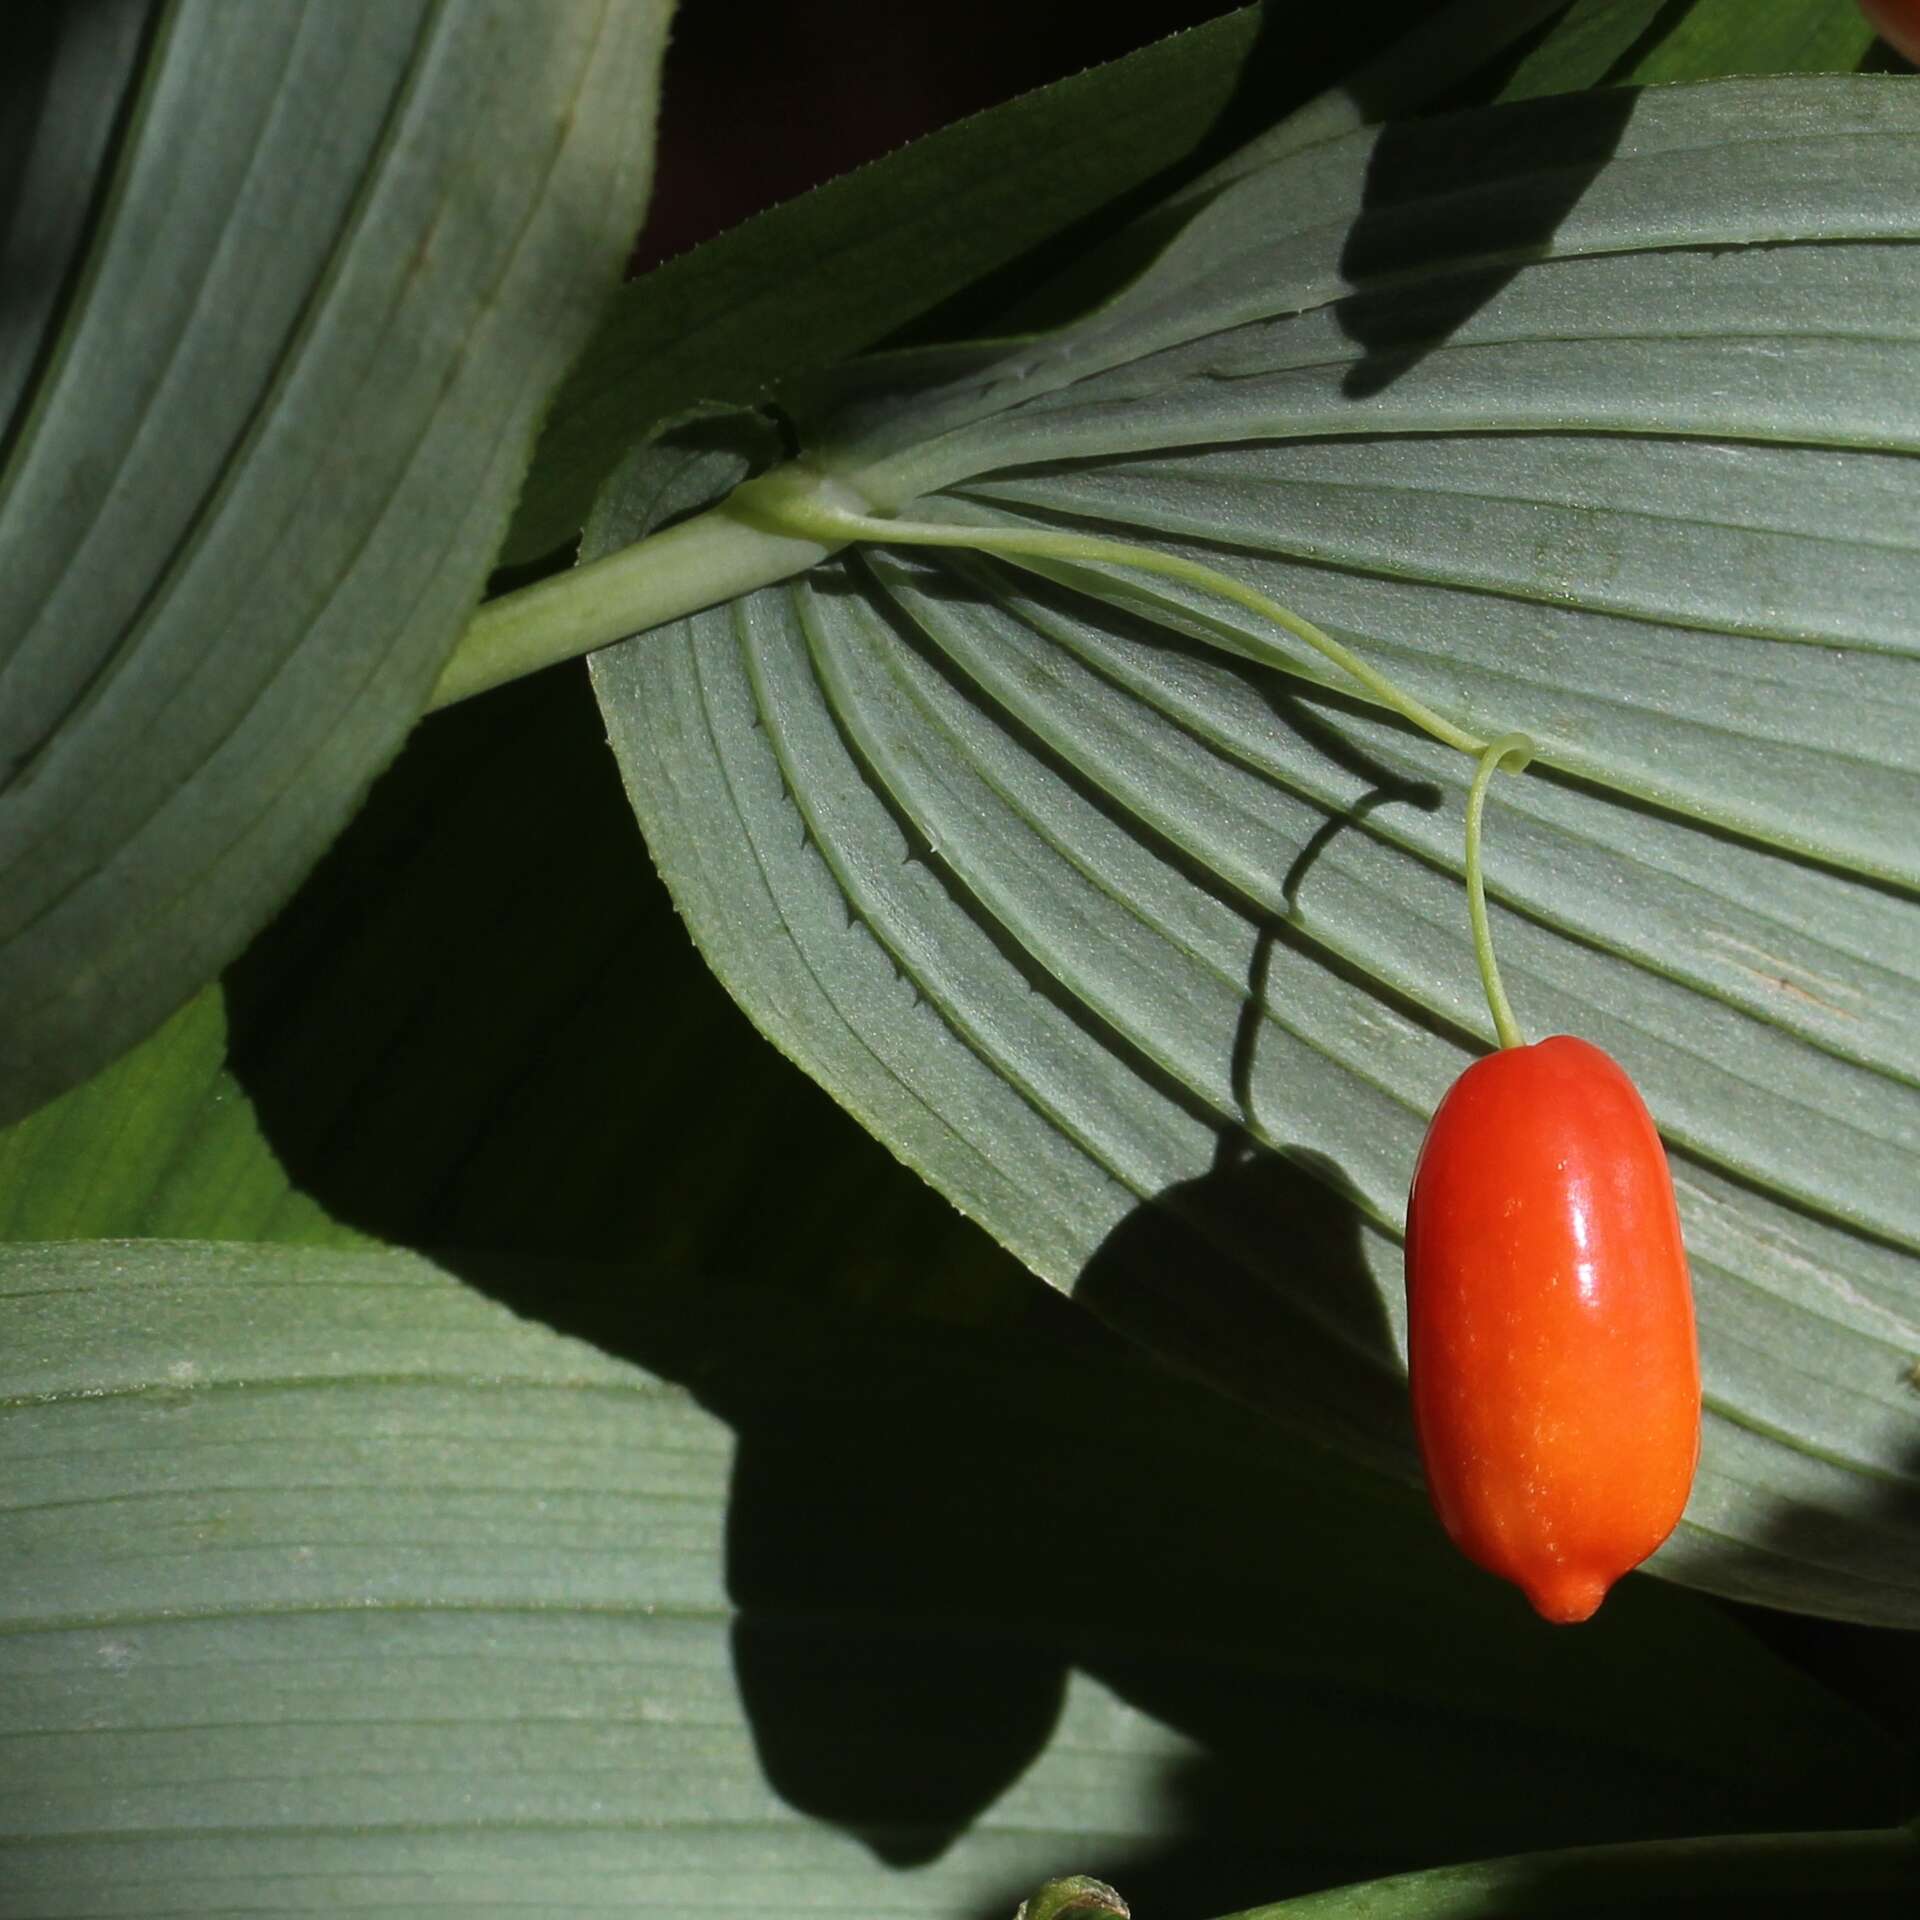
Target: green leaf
x=1645 y=41
x=1105 y=910
x=163 y=1143
x=73 y=65
x=1873 y=1871
x=824 y=276
x=1731 y=37
x=343 y=1081
x=336 y=1587
x=281 y=405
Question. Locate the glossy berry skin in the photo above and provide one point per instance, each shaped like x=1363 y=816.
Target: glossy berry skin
x=1897 y=22
x=1556 y=1378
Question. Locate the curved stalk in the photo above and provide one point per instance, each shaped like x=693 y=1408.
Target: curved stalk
x=707 y=560
x=790 y=500
x=794 y=502
x=786 y=521
x=1514 y=751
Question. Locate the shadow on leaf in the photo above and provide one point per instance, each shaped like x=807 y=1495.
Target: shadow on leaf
x=1452 y=210
x=956 y=1549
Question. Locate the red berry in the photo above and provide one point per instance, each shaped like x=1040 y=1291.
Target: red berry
x=1897 y=22
x=1556 y=1378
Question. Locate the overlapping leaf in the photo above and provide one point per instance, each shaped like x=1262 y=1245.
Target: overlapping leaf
x=267 y=421
x=1595 y=418
x=334 y=1587
x=824 y=276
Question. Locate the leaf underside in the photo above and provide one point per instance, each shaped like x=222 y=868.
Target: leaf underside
x=1145 y=943
x=254 y=478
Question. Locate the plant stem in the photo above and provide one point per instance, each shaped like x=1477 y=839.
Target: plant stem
x=1513 y=750
x=794 y=502
x=1619 y=1878
x=711 y=558
x=699 y=563
x=788 y=520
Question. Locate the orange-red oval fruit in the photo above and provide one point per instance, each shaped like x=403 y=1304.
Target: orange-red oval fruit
x=1556 y=1378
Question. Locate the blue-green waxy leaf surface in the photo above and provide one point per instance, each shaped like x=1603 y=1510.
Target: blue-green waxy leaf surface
x=288 y=289
x=1144 y=939
x=334 y=1587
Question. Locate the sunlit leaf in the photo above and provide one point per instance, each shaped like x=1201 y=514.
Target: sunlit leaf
x=1592 y=417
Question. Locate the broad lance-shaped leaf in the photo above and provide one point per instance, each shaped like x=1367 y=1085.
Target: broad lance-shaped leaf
x=1114 y=915
x=284 y=396
x=333 y=1586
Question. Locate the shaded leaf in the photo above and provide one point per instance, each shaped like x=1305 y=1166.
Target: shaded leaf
x=1744 y=1877
x=1644 y=41
x=344 y=1080
x=1723 y=36
x=71 y=77
x=282 y=410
